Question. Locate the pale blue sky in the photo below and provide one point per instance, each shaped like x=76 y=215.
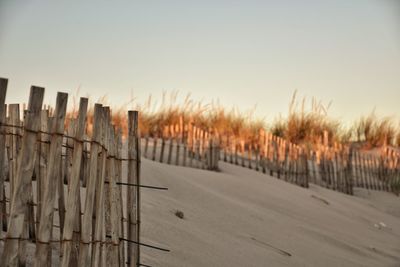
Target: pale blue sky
x=243 y=53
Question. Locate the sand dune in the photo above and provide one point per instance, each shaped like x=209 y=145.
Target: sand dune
x=239 y=217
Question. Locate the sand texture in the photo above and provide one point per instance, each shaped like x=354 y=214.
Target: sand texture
x=239 y=217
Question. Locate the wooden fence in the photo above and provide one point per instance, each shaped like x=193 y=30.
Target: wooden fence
x=63 y=190
x=271 y=155
x=338 y=167
x=183 y=145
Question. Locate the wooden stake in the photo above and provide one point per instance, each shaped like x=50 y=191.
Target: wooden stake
x=132 y=198
x=154 y=153
x=3 y=216
x=162 y=147
x=86 y=236
x=50 y=189
x=112 y=204
x=99 y=226
x=24 y=177
x=74 y=192
x=171 y=139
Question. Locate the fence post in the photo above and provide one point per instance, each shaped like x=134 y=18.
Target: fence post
x=3 y=216
x=236 y=161
x=29 y=221
x=163 y=136
x=24 y=177
x=203 y=149
x=190 y=144
x=305 y=168
x=178 y=144
x=138 y=196
x=357 y=178
x=146 y=145
x=286 y=160
x=84 y=253
x=42 y=159
x=49 y=194
x=99 y=232
x=376 y=172
x=336 y=170
x=349 y=171
x=14 y=119
x=155 y=141
x=225 y=146
x=120 y=198
x=171 y=139
x=112 y=204
x=61 y=197
x=250 y=156
x=74 y=184
x=184 y=144
x=133 y=178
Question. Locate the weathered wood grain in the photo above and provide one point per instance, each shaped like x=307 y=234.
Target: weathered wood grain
x=50 y=185
x=24 y=177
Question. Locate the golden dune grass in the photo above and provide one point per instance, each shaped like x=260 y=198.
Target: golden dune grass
x=304 y=123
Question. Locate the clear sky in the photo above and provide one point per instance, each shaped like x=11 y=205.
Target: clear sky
x=243 y=53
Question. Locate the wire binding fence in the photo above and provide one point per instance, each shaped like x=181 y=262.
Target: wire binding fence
x=44 y=165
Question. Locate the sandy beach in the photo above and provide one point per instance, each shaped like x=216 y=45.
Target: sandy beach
x=239 y=217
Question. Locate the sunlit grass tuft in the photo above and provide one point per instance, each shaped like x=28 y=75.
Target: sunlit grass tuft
x=376 y=131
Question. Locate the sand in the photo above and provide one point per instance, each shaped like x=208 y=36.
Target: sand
x=239 y=217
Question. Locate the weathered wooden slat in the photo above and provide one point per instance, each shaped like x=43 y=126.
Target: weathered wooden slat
x=190 y=145
x=120 y=198
x=162 y=149
x=357 y=171
x=361 y=170
x=306 y=171
x=365 y=172
x=170 y=146
x=99 y=224
x=3 y=216
x=146 y=145
x=349 y=171
x=61 y=197
x=371 y=171
x=25 y=169
x=336 y=169
x=132 y=197
x=113 y=248
x=74 y=192
x=184 y=156
x=29 y=221
x=53 y=175
x=178 y=147
x=86 y=235
x=42 y=160
x=154 y=151
x=375 y=167
x=14 y=119
x=249 y=156
x=138 y=193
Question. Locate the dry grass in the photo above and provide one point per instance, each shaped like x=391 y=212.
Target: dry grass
x=376 y=131
x=305 y=123
x=211 y=117
x=397 y=140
